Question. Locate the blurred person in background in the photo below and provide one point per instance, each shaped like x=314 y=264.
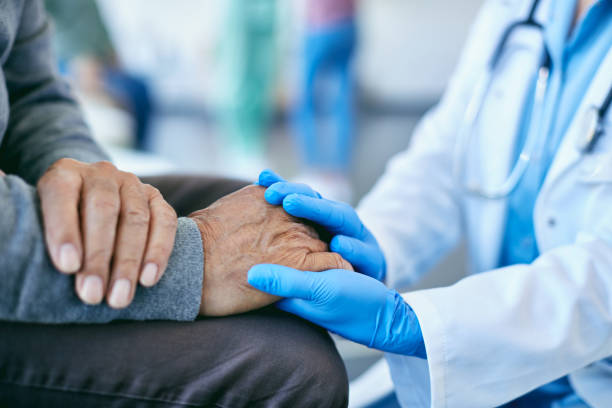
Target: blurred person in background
x=102 y=283
x=325 y=117
x=86 y=54
x=246 y=80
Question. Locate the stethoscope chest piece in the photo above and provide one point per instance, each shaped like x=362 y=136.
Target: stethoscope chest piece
x=591 y=130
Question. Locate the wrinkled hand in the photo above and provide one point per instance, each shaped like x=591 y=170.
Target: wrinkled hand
x=107 y=227
x=351 y=238
x=350 y=304
x=241 y=230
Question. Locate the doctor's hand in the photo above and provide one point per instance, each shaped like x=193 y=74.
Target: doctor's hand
x=350 y=304
x=351 y=238
x=242 y=230
x=107 y=227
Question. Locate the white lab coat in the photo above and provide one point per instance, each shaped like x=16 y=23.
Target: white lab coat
x=500 y=333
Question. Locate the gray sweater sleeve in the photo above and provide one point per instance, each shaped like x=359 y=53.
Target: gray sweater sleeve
x=46 y=125
x=31 y=290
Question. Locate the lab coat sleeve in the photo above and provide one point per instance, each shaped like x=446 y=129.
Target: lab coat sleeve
x=414 y=209
x=495 y=336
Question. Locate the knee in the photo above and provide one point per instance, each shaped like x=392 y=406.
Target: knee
x=262 y=359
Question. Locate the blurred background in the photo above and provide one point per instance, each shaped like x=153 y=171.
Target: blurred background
x=322 y=91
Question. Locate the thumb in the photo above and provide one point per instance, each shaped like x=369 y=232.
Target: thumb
x=283 y=281
x=298 y=307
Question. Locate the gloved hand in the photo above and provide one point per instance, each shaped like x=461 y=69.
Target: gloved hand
x=350 y=304
x=352 y=240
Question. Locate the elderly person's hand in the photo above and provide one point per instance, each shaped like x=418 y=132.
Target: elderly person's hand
x=107 y=227
x=242 y=230
x=351 y=238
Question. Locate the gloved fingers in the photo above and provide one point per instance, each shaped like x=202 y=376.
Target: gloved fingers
x=338 y=218
x=366 y=258
x=277 y=192
x=267 y=177
x=282 y=281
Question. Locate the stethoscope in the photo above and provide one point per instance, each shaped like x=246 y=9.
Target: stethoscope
x=594 y=118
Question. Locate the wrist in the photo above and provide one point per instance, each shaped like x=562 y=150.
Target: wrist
x=402 y=331
x=206 y=233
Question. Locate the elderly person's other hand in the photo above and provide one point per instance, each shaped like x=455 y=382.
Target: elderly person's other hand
x=242 y=230
x=106 y=226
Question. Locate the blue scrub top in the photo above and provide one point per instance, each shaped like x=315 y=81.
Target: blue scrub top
x=576 y=56
x=575 y=60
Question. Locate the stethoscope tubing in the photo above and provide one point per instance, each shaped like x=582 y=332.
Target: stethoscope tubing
x=476 y=104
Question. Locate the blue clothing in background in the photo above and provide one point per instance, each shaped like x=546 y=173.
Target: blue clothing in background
x=575 y=60
x=327 y=93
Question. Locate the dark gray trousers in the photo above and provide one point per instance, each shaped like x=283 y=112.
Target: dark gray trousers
x=261 y=359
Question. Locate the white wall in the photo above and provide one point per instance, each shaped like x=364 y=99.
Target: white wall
x=410 y=47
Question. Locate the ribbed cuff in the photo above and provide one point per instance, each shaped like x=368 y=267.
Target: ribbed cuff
x=178 y=294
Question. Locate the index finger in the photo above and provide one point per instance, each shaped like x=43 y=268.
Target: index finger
x=59 y=195
x=338 y=218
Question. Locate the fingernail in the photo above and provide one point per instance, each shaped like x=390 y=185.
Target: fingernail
x=149 y=274
x=120 y=294
x=69 y=259
x=91 y=290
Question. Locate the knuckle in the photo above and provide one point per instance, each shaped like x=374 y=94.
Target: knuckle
x=43 y=183
x=337 y=262
x=292 y=235
x=153 y=192
x=134 y=216
x=103 y=184
x=54 y=174
x=130 y=178
x=105 y=205
x=55 y=178
x=347 y=265
x=65 y=162
x=105 y=165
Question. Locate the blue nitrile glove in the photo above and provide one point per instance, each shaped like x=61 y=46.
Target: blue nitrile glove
x=350 y=304
x=352 y=240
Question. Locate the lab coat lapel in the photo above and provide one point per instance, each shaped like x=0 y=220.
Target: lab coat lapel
x=568 y=153
x=485 y=238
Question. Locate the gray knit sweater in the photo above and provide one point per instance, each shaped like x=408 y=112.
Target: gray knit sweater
x=39 y=124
